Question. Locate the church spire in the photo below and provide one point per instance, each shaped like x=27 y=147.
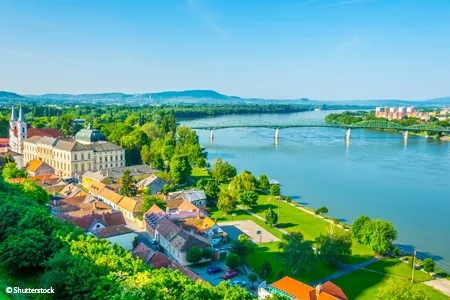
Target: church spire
x=13 y=114
x=21 y=117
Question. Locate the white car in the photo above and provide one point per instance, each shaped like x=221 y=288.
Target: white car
x=239 y=283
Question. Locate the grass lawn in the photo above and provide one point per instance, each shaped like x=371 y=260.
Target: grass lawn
x=269 y=252
x=363 y=285
x=7 y=281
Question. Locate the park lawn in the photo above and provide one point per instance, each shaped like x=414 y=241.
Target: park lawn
x=199 y=173
x=269 y=252
x=294 y=219
x=396 y=267
x=364 y=285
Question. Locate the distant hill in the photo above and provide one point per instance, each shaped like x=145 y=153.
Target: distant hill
x=9 y=95
x=193 y=94
x=443 y=100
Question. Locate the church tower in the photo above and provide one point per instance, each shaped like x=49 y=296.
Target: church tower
x=17 y=130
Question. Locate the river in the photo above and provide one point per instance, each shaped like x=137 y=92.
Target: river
x=375 y=175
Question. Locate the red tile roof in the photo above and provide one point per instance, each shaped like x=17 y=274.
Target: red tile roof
x=4 y=142
x=48 y=132
x=111 y=231
x=109 y=219
x=332 y=289
x=300 y=290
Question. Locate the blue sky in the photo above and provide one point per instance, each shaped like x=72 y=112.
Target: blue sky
x=319 y=49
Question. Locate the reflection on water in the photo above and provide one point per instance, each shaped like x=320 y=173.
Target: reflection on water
x=374 y=174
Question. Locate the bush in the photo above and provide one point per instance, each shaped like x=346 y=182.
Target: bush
x=232 y=261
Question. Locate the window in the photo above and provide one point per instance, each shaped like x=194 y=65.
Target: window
x=75 y=167
x=116 y=158
x=76 y=157
x=89 y=156
x=121 y=157
x=82 y=156
x=106 y=158
x=101 y=159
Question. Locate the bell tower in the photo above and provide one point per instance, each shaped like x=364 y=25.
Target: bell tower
x=17 y=130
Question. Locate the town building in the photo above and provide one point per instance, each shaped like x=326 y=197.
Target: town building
x=196 y=197
x=150 y=257
x=294 y=289
x=37 y=167
x=4 y=150
x=399 y=113
x=89 y=150
x=117 y=235
x=153 y=183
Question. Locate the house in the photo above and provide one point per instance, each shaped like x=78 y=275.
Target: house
x=150 y=257
x=204 y=226
x=109 y=197
x=4 y=150
x=95 y=188
x=173 y=238
x=38 y=167
x=48 y=132
x=129 y=207
x=179 y=205
x=90 y=177
x=71 y=190
x=114 y=174
x=188 y=273
x=78 y=206
x=117 y=235
x=52 y=184
x=294 y=289
x=153 y=183
x=96 y=221
x=196 y=197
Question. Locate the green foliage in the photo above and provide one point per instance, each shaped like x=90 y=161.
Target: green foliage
x=429 y=265
x=201 y=184
x=298 y=255
x=232 y=261
x=35 y=192
x=128 y=187
x=263 y=182
x=4 y=159
x=334 y=248
x=275 y=190
x=321 y=211
x=180 y=168
x=10 y=170
x=194 y=255
x=357 y=227
x=266 y=269
x=401 y=290
x=248 y=199
x=243 y=246
x=226 y=201
x=207 y=253
x=168 y=188
x=252 y=278
x=222 y=171
x=149 y=200
x=271 y=217
x=288 y=199
x=212 y=191
x=243 y=182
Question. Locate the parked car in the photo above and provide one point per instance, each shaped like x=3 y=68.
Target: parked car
x=213 y=269
x=230 y=274
x=239 y=282
x=153 y=241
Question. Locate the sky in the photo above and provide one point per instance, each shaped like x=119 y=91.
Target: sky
x=317 y=49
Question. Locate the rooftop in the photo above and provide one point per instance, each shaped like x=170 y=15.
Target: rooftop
x=89 y=135
x=111 y=231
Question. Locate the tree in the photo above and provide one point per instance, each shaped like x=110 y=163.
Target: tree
x=222 y=171
x=298 y=255
x=201 y=184
x=35 y=192
x=334 y=248
x=226 y=201
x=128 y=188
x=357 y=227
x=252 y=278
x=271 y=217
x=266 y=269
x=10 y=170
x=429 y=265
x=322 y=210
x=149 y=200
x=180 y=168
x=194 y=255
x=243 y=182
x=28 y=249
x=207 y=253
x=395 y=289
x=249 y=199
x=212 y=191
x=263 y=182
x=275 y=190
x=232 y=261
x=382 y=234
x=242 y=246
x=4 y=159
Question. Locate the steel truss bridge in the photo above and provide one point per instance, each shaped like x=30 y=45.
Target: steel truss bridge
x=312 y=123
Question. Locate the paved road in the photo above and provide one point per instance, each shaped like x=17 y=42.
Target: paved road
x=440 y=284
x=261 y=218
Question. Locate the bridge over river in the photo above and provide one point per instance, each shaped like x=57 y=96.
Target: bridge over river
x=314 y=123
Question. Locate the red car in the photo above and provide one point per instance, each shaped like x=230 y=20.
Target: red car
x=230 y=274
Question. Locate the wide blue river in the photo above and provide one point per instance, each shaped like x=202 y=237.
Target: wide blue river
x=376 y=174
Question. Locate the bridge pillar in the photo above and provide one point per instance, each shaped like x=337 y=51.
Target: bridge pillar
x=277 y=135
x=211 y=134
x=405 y=135
x=347 y=134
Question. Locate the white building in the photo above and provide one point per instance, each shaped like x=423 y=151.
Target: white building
x=89 y=150
x=17 y=131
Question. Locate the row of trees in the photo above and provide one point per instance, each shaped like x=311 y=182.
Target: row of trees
x=82 y=267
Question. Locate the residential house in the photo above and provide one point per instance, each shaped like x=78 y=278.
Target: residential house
x=173 y=238
x=196 y=197
x=97 y=221
x=38 y=167
x=71 y=190
x=114 y=174
x=130 y=207
x=202 y=225
x=153 y=183
x=52 y=184
x=294 y=289
x=150 y=257
x=179 y=205
x=95 y=188
x=109 y=197
x=77 y=207
x=90 y=177
x=117 y=235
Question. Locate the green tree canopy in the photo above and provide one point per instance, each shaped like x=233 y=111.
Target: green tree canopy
x=232 y=261
x=194 y=255
x=357 y=227
x=35 y=192
x=10 y=170
x=128 y=187
x=335 y=247
x=298 y=255
x=222 y=171
x=271 y=217
x=180 y=168
x=248 y=199
x=429 y=265
x=275 y=190
x=396 y=289
x=263 y=182
x=226 y=201
x=243 y=182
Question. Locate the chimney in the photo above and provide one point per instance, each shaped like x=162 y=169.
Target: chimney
x=318 y=290
x=198 y=213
